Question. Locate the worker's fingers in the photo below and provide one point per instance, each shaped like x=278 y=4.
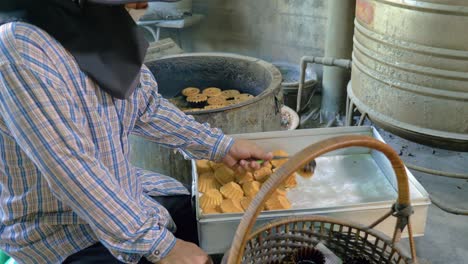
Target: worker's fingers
x=258 y=153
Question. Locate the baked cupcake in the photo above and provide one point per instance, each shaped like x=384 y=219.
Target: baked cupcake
x=212 y=210
x=190 y=91
x=280 y=192
x=217 y=100
x=244 y=177
x=203 y=166
x=232 y=190
x=232 y=102
x=224 y=175
x=243 y=97
x=231 y=206
x=206 y=181
x=211 y=199
x=245 y=202
x=278 y=202
x=230 y=94
x=251 y=188
x=212 y=92
x=215 y=165
x=279 y=162
x=267 y=164
x=291 y=181
x=262 y=174
x=197 y=100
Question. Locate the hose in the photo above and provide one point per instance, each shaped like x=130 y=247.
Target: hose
x=446 y=208
x=437 y=172
x=436 y=201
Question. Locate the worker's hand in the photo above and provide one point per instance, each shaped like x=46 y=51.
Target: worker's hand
x=244 y=154
x=186 y=253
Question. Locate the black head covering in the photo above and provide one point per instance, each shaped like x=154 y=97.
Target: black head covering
x=104 y=39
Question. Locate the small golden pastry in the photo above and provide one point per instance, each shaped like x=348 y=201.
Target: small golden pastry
x=215 y=165
x=197 y=100
x=203 y=166
x=243 y=97
x=278 y=202
x=211 y=199
x=212 y=210
x=244 y=177
x=251 y=188
x=189 y=91
x=267 y=164
x=231 y=206
x=230 y=94
x=224 y=175
x=232 y=102
x=212 y=91
x=291 y=181
x=279 y=162
x=245 y=202
x=217 y=100
x=206 y=181
x=262 y=174
x=232 y=190
x=280 y=192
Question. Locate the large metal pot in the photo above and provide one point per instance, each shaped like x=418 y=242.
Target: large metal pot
x=228 y=71
x=410 y=68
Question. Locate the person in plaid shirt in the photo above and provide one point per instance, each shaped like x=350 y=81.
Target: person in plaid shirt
x=68 y=193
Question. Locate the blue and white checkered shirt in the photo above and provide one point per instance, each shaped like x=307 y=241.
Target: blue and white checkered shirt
x=65 y=178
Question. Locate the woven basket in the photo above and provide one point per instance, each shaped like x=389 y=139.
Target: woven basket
x=278 y=241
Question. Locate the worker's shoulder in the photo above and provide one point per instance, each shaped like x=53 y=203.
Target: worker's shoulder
x=19 y=41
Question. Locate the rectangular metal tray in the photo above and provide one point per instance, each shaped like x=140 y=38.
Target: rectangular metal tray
x=356 y=184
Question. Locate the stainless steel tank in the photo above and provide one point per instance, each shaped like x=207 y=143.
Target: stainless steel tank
x=410 y=68
x=227 y=71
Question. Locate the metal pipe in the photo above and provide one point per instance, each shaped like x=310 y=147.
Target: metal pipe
x=338 y=44
x=345 y=64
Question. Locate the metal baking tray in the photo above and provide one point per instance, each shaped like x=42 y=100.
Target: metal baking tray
x=356 y=184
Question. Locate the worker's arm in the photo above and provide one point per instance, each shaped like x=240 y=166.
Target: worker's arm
x=162 y=122
x=43 y=119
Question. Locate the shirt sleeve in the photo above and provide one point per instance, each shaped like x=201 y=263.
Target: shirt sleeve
x=44 y=120
x=162 y=122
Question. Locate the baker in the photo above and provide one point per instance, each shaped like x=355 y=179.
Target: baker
x=72 y=88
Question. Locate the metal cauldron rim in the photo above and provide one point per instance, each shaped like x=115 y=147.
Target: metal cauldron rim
x=276 y=77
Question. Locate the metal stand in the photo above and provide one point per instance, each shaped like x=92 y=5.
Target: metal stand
x=350 y=110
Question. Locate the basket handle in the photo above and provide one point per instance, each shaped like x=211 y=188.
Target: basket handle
x=298 y=161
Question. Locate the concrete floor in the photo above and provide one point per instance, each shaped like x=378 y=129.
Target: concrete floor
x=446 y=236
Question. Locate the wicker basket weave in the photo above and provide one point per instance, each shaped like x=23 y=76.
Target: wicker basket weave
x=277 y=241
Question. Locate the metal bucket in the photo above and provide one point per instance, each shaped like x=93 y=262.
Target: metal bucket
x=290 y=83
x=410 y=68
x=227 y=71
